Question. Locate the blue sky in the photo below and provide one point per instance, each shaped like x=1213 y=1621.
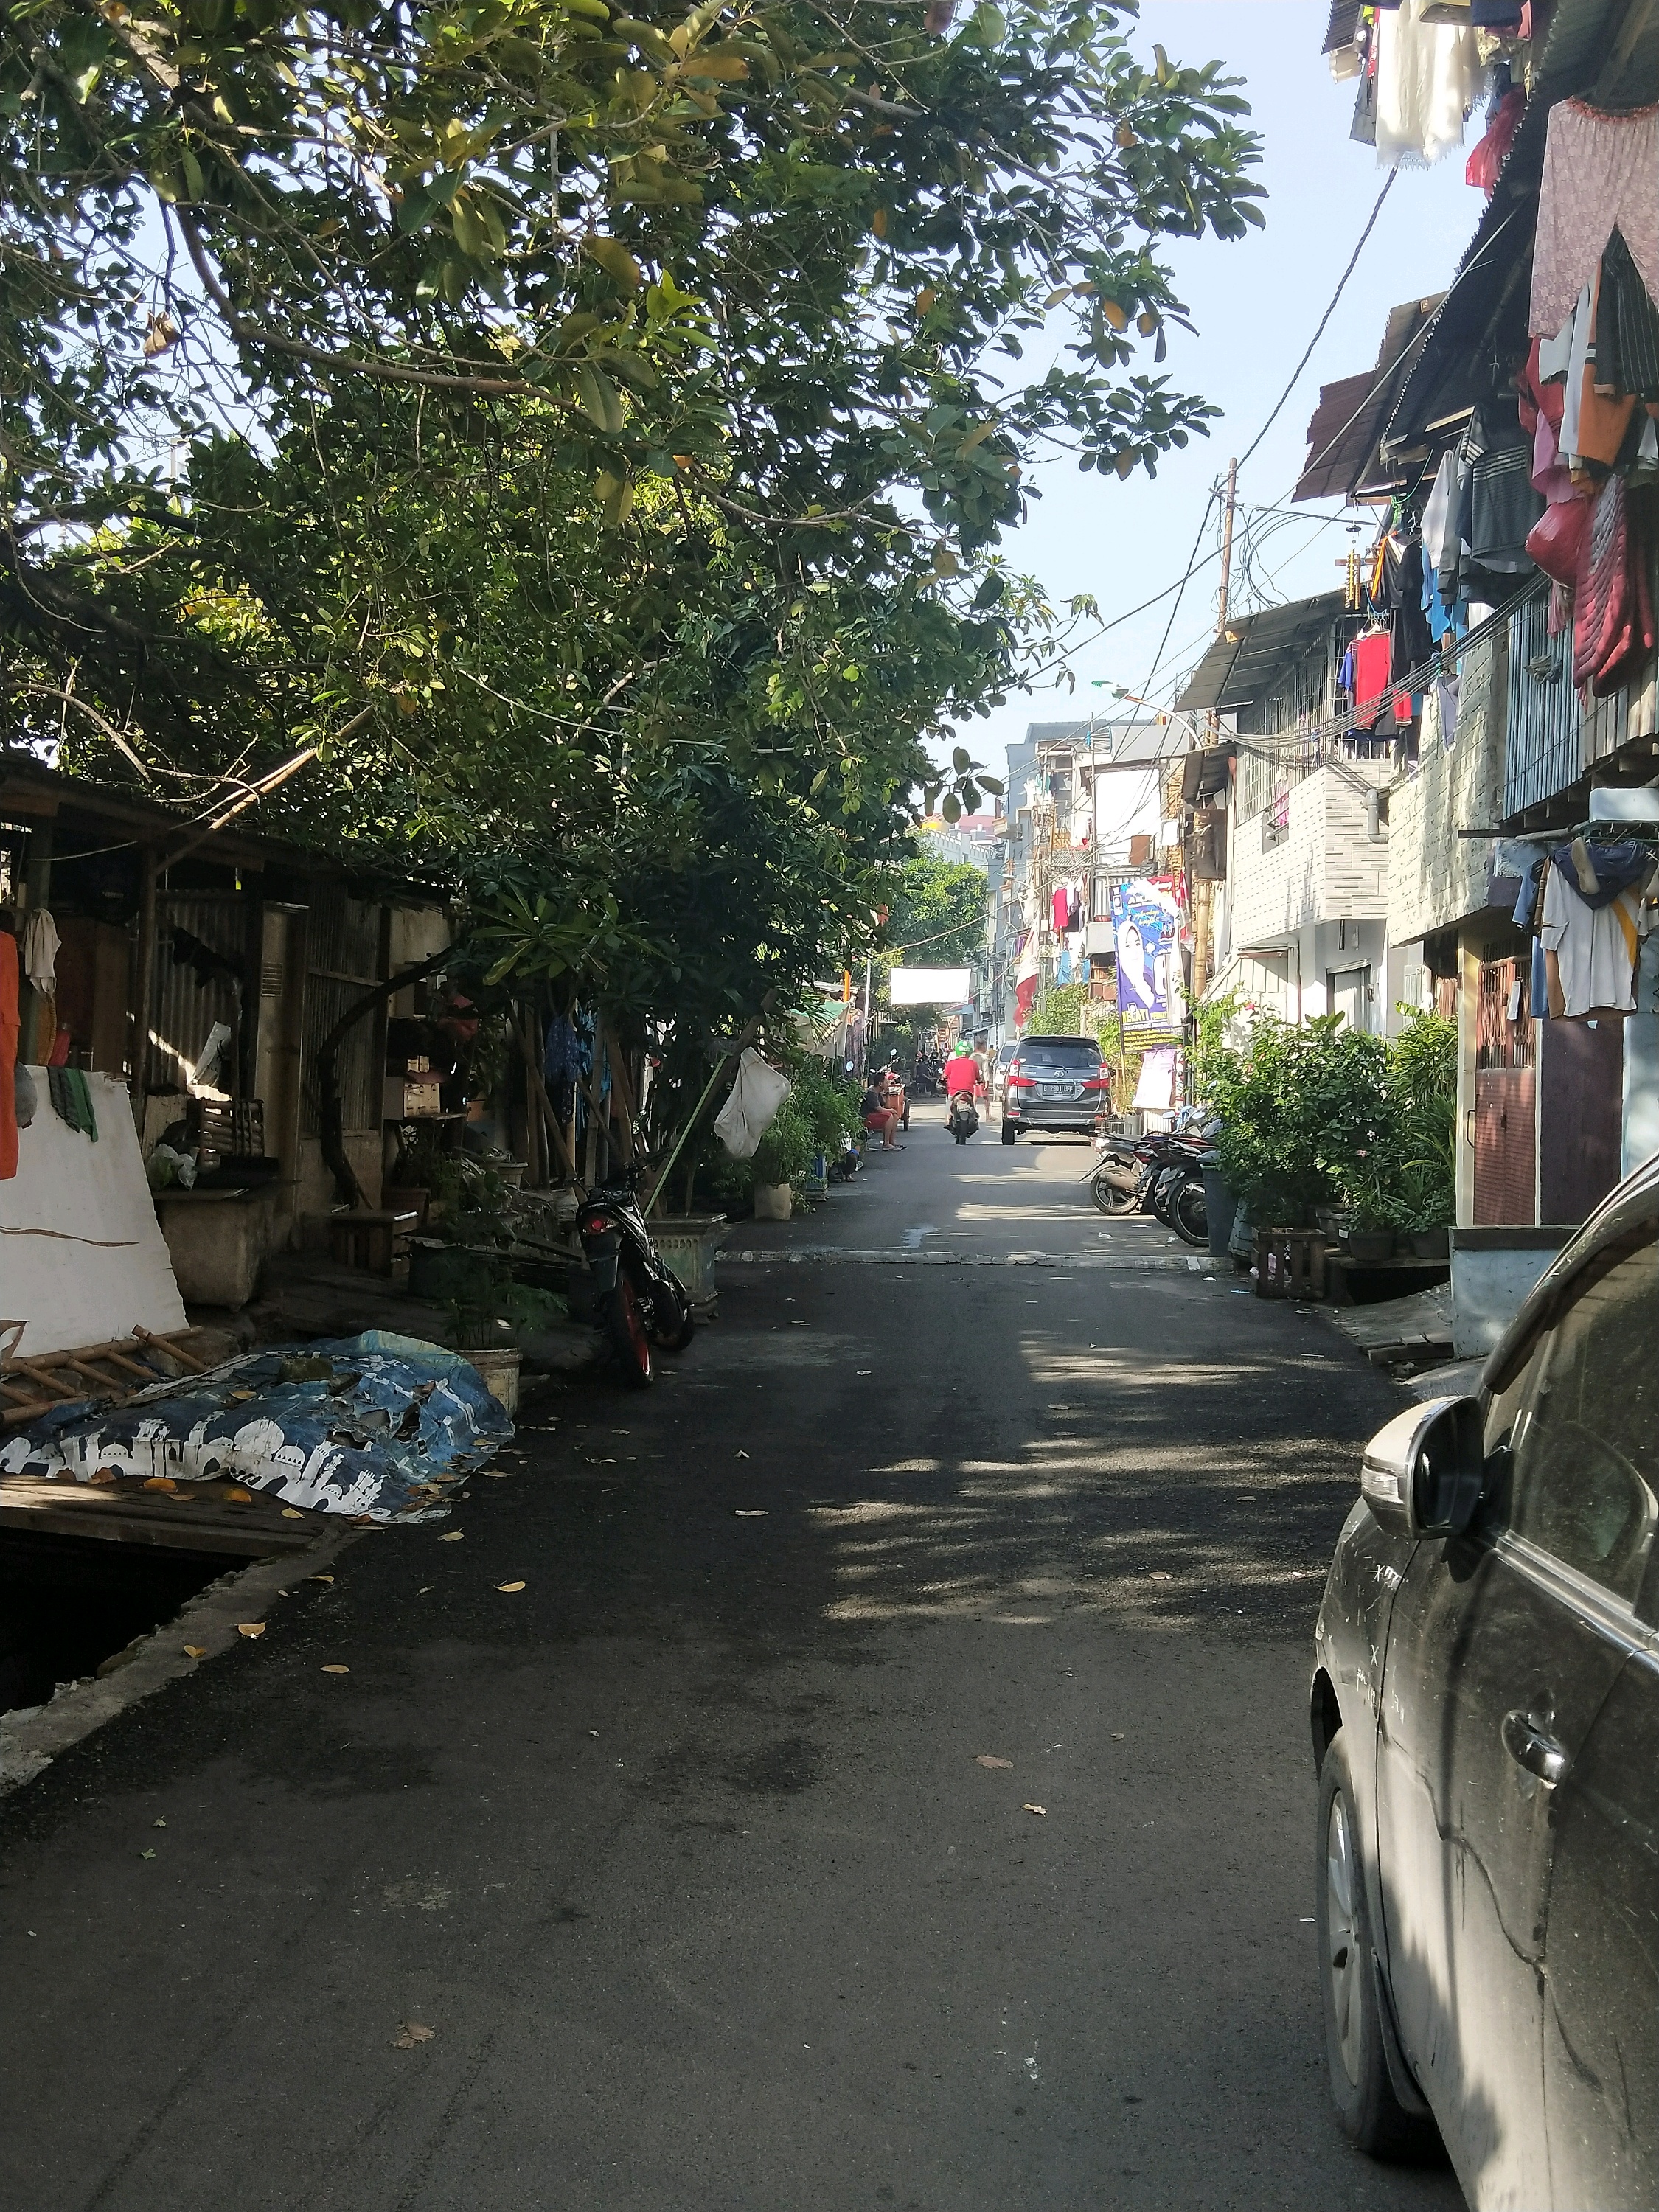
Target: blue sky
x=1255 y=304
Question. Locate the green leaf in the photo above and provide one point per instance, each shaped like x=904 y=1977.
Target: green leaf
x=599 y=399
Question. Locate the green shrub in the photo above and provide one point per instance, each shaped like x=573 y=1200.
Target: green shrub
x=784 y=1152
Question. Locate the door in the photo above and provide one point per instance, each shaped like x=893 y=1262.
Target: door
x=1502 y=1651
x=1581 y=1083
x=1505 y=1121
x=1602 y=1938
x=1348 y=992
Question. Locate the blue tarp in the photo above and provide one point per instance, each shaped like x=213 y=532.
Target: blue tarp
x=377 y=1426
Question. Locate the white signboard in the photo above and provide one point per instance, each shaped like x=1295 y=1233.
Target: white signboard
x=927 y=987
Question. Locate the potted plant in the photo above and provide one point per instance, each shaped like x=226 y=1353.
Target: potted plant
x=781 y=1159
x=489 y=1309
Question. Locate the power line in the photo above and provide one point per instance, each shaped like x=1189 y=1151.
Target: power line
x=1353 y=259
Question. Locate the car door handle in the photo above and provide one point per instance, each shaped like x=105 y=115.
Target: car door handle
x=1528 y=1747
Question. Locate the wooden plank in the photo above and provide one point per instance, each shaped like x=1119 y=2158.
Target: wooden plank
x=198 y=1517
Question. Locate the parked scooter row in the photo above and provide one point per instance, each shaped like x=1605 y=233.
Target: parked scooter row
x=1161 y=1174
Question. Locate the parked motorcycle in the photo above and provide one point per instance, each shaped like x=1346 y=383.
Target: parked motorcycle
x=962 y=1119
x=1162 y=1174
x=640 y=1301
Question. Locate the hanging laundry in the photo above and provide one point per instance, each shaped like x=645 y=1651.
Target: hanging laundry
x=1428 y=77
x=1063 y=969
x=8 y=1056
x=1626 y=325
x=71 y=1099
x=39 y=952
x=1485 y=163
x=1371 y=655
x=1599 y=170
x=1060 y=905
x=1439 y=515
x=1401 y=597
x=1500 y=503
x=1592 y=939
x=1445 y=693
x=1613 y=615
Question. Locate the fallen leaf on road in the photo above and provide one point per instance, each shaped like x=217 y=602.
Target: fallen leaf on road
x=499 y=1473
x=337 y=1670
x=454 y=1536
x=320 y=1578
x=509 y=1586
x=146 y=1855
x=196 y=1651
x=410 y=2034
x=863 y=1371
x=160 y=1482
x=250 y=1628
x=743 y=1454
x=1160 y=1575
x=1042 y=1810
x=1117 y=1736
x=292 y=1513
x=989 y=1758
x=750 y=1512
x=158 y=1824
x=237 y=1495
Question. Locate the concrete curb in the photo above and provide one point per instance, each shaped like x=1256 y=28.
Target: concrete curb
x=878 y=1256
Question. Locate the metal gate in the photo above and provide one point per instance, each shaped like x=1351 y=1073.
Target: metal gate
x=1505 y=1094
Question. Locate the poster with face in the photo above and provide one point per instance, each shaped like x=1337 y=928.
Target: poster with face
x=1145 y=919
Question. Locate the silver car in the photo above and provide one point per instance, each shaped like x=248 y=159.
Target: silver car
x=1486 y=1722
x=1055 y=1084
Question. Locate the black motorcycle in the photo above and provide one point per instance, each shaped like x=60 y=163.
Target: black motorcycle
x=640 y=1303
x=962 y=1119
x=1162 y=1176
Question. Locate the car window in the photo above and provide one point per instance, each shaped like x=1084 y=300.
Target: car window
x=1060 y=1052
x=1578 y=1426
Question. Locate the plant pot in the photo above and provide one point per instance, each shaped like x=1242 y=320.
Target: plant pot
x=1333 y=1220
x=1431 y=1243
x=1368 y=1248
x=498 y=1368
x=774 y=1201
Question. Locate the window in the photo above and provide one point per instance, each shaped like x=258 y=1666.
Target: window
x=1577 y=1429
x=1060 y=1052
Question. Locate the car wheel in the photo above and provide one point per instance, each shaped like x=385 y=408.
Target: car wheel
x=1008 y=1132
x=1372 y=2115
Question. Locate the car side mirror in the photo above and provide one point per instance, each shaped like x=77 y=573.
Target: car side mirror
x=1422 y=1474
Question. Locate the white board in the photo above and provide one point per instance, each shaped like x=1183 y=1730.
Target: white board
x=81 y=1254
x=927 y=986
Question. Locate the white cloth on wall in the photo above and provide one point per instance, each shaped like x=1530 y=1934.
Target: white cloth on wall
x=81 y=1254
x=1595 y=947
x=1428 y=77
x=39 y=950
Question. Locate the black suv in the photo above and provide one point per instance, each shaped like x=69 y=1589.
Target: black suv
x=1056 y=1082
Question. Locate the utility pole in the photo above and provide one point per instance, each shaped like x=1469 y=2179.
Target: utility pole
x=1204 y=901
x=1227 y=544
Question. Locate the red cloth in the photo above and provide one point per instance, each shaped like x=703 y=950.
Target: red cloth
x=1371 y=676
x=1025 y=993
x=1489 y=156
x=960 y=1074
x=1062 y=907
x=1612 y=614
x=7 y=1056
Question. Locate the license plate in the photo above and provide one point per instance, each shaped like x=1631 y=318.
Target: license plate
x=1065 y=1091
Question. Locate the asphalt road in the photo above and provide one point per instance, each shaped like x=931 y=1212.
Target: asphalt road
x=684 y=1854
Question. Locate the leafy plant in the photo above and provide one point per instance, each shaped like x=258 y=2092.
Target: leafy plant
x=784 y=1152
x=1059 y=1012
x=485 y=1294
x=830 y=1108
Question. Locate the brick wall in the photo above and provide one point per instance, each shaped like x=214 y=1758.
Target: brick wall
x=1325 y=869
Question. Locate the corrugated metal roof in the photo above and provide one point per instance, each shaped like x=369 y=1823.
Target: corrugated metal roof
x=1254 y=652
x=1342 y=460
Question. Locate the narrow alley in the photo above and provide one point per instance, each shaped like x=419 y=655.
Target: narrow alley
x=870 y=1768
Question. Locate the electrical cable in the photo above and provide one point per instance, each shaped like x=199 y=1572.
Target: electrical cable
x=1341 y=282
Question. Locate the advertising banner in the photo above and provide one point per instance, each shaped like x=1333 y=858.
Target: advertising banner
x=1145 y=919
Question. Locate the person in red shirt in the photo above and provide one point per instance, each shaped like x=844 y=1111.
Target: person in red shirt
x=962 y=1074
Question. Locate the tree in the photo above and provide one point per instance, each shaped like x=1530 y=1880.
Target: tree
x=765 y=264
x=936 y=910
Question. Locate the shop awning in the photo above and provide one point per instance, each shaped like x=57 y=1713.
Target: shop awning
x=1253 y=653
